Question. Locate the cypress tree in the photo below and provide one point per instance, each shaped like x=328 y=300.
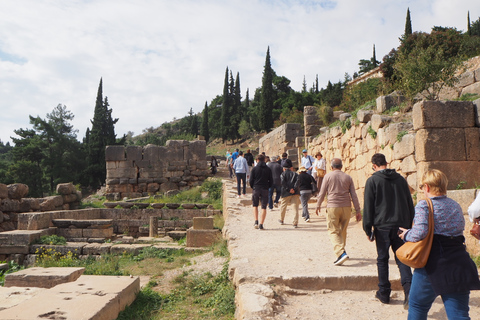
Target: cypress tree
x=204 y=129
x=266 y=98
x=225 y=109
x=237 y=113
x=408 y=25
x=469 y=30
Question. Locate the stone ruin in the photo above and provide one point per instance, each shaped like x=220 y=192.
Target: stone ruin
x=135 y=171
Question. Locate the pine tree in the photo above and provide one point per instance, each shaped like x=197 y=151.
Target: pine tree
x=316 y=83
x=408 y=25
x=304 y=85
x=101 y=135
x=266 y=98
x=204 y=129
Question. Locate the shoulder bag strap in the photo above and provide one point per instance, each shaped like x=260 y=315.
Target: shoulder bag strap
x=431 y=223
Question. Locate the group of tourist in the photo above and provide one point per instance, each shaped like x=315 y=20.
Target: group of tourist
x=389 y=219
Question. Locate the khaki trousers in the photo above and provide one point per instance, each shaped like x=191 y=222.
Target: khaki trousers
x=284 y=202
x=337 y=223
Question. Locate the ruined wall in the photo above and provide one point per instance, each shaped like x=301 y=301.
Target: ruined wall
x=442 y=135
x=140 y=171
x=282 y=139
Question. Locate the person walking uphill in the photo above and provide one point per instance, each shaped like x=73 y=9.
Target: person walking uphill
x=290 y=193
x=341 y=192
x=241 y=169
x=261 y=181
x=277 y=183
x=388 y=205
x=305 y=187
x=307 y=161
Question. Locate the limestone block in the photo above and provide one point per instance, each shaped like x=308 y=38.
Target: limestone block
x=310 y=119
x=142 y=163
x=10 y=205
x=439 y=114
x=336 y=114
x=173 y=154
x=43 y=277
x=463 y=197
x=472 y=143
x=202 y=238
x=97 y=233
x=69 y=233
x=392 y=131
x=344 y=116
x=476 y=105
x=133 y=249
x=69 y=198
x=3 y=191
x=379 y=121
x=387 y=102
x=405 y=147
x=364 y=115
x=371 y=143
x=202 y=223
x=440 y=144
x=477 y=74
x=449 y=93
x=300 y=142
x=66 y=188
x=97 y=248
x=309 y=110
x=130 y=172
x=466 y=79
x=152 y=153
x=412 y=180
x=17 y=190
x=408 y=164
x=115 y=153
x=197 y=150
x=469 y=174
x=50 y=203
x=134 y=153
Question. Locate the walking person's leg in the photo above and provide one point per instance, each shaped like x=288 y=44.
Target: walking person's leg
x=296 y=204
x=238 y=183
x=278 y=193
x=345 y=215
x=243 y=177
x=421 y=296
x=382 y=243
x=270 y=198
x=304 y=202
x=456 y=305
x=333 y=226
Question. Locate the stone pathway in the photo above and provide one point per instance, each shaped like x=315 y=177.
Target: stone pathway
x=288 y=273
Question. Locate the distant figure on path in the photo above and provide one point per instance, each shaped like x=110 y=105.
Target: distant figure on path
x=277 y=183
x=341 y=192
x=290 y=194
x=260 y=181
x=241 y=169
x=319 y=169
x=388 y=205
x=307 y=161
x=213 y=165
x=305 y=187
x=249 y=157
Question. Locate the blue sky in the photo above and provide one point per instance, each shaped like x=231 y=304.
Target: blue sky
x=159 y=58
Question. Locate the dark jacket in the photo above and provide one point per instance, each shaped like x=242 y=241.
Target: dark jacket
x=387 y=201
x=289 y=181
x=305 y=181
x=261 y=177
x=249 y=158
x=276 y=172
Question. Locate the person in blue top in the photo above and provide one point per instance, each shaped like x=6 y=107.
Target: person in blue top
x=307 y=161
x=240 y=166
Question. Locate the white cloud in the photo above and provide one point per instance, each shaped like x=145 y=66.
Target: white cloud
x=158 y=59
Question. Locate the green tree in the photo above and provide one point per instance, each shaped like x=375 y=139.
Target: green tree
x=204 y=129
x=367 y=65
x=429 y=63
x=267 y=95
x=98 y=137
x=469 y=30
x=226 y=109
x=408 y=25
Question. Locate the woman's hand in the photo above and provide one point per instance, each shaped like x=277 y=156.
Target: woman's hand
x=401 y=233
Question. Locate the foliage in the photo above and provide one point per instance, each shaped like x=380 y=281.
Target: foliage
x=325 y=113
x=205 y=128
x=213 y=187
x=12 y=267
x=468 y=97
x=428 y=62
x=461 y=185
x=267 y=95
x=355 y=96
x=52 y=240
x=401 y=134
x=372 y=132
x=345 y=125
x=290 y=116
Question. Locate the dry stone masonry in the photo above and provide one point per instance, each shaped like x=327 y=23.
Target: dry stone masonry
x=141 y=171
x=282 y=139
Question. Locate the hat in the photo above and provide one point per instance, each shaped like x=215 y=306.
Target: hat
x=302 y=169
x=287 y=163
x=304 y=150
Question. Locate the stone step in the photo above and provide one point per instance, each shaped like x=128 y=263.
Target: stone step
x=42 y=277
x=83 y=224
x=10 y=241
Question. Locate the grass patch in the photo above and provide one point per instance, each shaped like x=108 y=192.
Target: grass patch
x=12 y=267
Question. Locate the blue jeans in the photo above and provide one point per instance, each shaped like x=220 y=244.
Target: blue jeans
x=278 y=190
x=384 y=239
x=422 y=297
x=305 y=195
x=241 y=177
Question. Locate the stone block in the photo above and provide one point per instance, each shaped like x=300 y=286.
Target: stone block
x=449 y=93
x=443 y=114
x=468 y=176
x=17 y=190
x=97 y=248
x=344 y=116
x=197 y=150
x=29 y=204
x=66 y=188
x=115 y=153
x=97 y=233
x=440 y=144
x=34 y=220
x=412 y=181
x=133 y=249
x=465 y=79
x=408 y=164
x=202 y=238
x=476 y=107
x=387 y=102
x=472 y=143
x=473 y=88
x=364 y=115
x=379 y=121
x=392 y=131
x=152 y=153
x=50 y=203
x=10 y=205
x=42 y=277
x=405 y=147
x=134 y=153
x=69 y=233
x=463 y=197
x=3 y=191
x=202 y=223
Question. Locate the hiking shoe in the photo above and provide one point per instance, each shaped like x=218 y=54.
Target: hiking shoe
x=261 y=227
x=275 y=204
x=307 y=220
x=383 y=299
x=256 y=224
x=237 y=196
x=406 y=301
x=280 y=221
x=295 y=226
x=343 y=257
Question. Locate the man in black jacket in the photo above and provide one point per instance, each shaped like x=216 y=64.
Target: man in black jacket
x=277 y=183
x=388 y=205
x=260 y=180
x=290 y=192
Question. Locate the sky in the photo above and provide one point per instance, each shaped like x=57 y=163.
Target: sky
x=160 y=58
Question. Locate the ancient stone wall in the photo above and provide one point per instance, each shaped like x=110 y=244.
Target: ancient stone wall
x=282 y=139
x=442 y=135
x=134 y=171
x=13 y=201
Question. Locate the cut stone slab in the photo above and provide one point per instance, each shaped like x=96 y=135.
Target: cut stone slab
x=42 y=277
x=89 y=297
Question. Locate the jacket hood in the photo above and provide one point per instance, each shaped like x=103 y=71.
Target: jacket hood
x=261 y=164
x=389 y=174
